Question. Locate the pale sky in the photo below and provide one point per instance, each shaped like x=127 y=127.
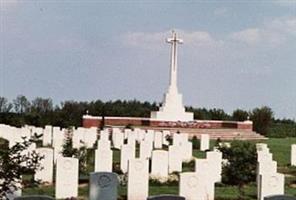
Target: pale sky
x=236 y=54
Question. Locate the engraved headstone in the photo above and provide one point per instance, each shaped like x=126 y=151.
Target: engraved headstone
x=103 y=185
x=45 y=174
x=186 y=149
x=206 y=171
x=175 y=158
x=103 y=159
x=160 y=163
x=191 y=186
x=271 y=184
x=138 y=179
x=66 y=178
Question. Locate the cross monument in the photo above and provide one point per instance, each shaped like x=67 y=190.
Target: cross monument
x=172 y=108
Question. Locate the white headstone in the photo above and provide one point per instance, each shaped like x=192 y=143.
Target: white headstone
x=175 y=158
x=158 y=140
x=66 y=178
x=127 y=132
x=140 y=135
x=262 y=147
x=117 y=138
x=145 y=149
x=271 y=184
x=160 y=163
x=104 y=143
x=149 y=136
x=138 y=179
x=78 y=138
x=47 y=136
x=103 y=159
x=215 y=158
x=186 y=148
x=180 y=138
x=131 y=139
x=104 y=135
x=264 y=156
x=208 y=173
x=90 y=137
x=127 y=153
x=191 y=186
x=204 y=142
x=45 y=174
x=264 y=167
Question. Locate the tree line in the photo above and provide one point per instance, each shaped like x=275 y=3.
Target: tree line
x=41 y=111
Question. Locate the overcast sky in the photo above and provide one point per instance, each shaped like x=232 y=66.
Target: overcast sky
x=236 y=54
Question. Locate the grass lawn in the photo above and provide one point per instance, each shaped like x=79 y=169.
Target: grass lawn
x=278 y=146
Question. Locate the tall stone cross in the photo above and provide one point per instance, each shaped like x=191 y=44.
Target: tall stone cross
x=173 y=79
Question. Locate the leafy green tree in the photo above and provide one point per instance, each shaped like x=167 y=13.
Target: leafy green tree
x=241 y=167
x=240 y=115
x=262 y=118
x=14 y=163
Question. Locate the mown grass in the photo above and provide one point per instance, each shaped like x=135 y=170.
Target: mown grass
x=280 y=147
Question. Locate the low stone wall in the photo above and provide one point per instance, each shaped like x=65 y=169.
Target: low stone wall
x=93 y=121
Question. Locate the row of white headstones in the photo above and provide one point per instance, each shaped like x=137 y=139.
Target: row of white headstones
x=199 y=184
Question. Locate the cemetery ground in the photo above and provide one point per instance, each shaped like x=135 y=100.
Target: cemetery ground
x=280 y=147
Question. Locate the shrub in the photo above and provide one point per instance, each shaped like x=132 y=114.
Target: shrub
x=241 y=167
x=195 y=143
x=14 y=163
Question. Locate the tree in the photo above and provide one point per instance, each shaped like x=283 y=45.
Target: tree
x=14 y=163
x=80 y=154
x=262 y=118
x=4 y=105
x=241 y=167
x=240 y=115
x=218 y=114
x=21 y=104
x=41 y=105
